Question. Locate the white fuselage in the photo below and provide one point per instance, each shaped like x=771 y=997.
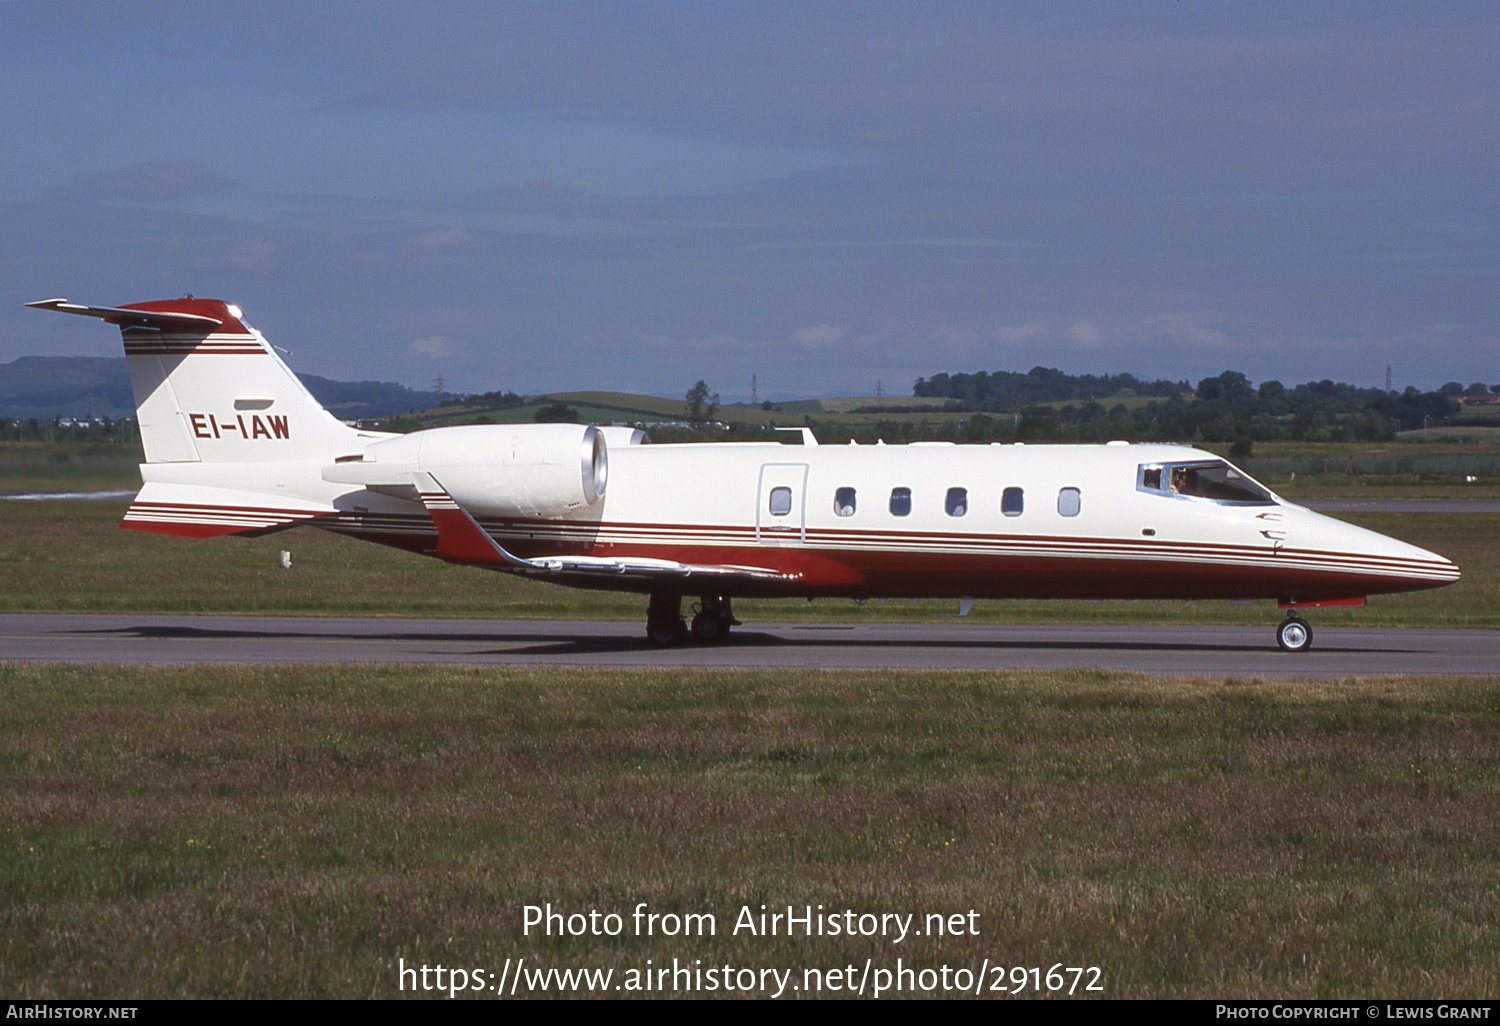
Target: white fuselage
x=941 y=519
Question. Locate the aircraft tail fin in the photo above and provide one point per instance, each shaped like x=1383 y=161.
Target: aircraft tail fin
x=210 y=389
x=233 y=441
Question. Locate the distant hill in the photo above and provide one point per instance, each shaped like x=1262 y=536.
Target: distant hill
x=50 y=386
x=354 y=399
x=62 y=386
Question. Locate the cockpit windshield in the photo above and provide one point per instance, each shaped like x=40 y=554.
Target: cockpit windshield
x=1214 y=480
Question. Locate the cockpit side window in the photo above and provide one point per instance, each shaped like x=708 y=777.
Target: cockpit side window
x=1213 y=480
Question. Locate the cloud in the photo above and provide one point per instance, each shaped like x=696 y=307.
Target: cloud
x=820 y=335
x=1169 y=192
x=1016 y=334
x=1185 y=330
x=153 y=181
x=435 y=347
x=1086 y=333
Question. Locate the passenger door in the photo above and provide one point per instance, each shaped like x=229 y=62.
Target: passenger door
x=781 y=504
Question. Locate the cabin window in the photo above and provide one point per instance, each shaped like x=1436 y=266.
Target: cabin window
x=843 y=502
x=781 y=501
x=1012 y=502
x=900 y=502
x=956 y=503
x=1069 y=502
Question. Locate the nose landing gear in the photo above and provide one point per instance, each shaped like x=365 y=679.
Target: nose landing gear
x=1294 y=633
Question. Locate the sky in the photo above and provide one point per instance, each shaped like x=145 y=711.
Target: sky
x=826 y=196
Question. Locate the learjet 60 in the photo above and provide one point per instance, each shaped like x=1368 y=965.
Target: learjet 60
x=234 y=444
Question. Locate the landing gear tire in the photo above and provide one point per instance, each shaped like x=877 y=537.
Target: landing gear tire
x=668 y=635
x=714 y=617
x=664 y=623
x=1294 y=635
x=711 y=627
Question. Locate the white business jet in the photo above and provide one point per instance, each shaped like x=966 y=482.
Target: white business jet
x=235 y=444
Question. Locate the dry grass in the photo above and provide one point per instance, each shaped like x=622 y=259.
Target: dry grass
x=273 y=832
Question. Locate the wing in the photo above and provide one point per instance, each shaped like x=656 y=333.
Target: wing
x=462 y=540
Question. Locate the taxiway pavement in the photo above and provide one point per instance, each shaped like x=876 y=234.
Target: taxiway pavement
x=1179 y=650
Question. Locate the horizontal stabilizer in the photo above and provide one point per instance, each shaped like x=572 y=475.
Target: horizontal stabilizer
x=161 y=320
x=198 y=511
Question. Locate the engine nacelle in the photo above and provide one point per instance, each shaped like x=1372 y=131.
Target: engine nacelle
x=619 y=436
x=496 y=470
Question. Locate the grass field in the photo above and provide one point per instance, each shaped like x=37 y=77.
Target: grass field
x=62 y=467
x=72 y=557
x=263 y=832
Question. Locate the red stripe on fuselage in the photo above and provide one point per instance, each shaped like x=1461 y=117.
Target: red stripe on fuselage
x=876 y=572
x=646 y=539
x=915 y=565
x=935 y=574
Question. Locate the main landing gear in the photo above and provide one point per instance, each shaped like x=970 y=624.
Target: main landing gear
x=1294 y=634
x=711 y=622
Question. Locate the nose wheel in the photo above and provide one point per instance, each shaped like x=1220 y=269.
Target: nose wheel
x=1294 y=634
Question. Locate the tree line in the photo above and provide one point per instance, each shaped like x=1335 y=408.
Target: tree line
x=120 y=430
x=1007 y=390
x=1225 y=408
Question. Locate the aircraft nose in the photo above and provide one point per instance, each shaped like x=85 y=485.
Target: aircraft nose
x=1439 y=568
x=1424 y=563
x=1448 y=567
x=1404 y=565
